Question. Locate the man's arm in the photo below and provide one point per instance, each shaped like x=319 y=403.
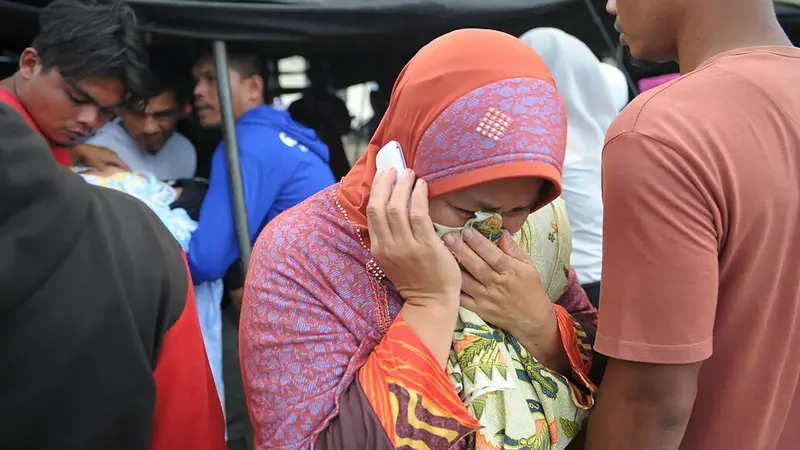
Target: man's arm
x=214 y=247
x=643 y=406
x=659 y=293
x=95 y=156
x=100 y=150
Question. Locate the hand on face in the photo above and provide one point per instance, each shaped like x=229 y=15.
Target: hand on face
x=404 y=243
x=501 y=285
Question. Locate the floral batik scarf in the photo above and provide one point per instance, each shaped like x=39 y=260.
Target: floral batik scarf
x=519 y=402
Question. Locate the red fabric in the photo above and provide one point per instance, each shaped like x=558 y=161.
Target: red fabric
x=61 y=154
x=188 y=413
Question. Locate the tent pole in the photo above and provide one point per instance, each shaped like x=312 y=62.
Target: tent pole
x=232 y=153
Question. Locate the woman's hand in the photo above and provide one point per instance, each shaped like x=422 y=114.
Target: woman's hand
x=404 y=243
x=504 y=288
x=415 y=260
x=97 y=157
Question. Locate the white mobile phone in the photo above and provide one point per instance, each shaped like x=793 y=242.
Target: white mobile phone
x=391 y=155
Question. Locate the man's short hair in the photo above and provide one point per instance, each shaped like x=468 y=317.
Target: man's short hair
x=93 y=38
x=245 y=64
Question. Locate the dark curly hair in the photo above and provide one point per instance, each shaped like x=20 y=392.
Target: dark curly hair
x=170 y=74
x=94 y=38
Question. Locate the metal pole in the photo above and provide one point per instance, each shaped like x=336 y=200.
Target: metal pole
x=232 y=153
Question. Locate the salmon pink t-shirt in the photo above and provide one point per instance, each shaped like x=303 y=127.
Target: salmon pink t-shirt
x=701 y=251
x=61 y=154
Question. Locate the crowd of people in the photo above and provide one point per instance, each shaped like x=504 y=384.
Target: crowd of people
x=556 y=268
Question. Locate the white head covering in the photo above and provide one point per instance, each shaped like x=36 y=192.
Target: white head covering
x=618 y=83
x=591 y=101
x=592 y=104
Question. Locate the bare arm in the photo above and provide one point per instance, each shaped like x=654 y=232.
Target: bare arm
x=643 y=406
x=96 y=157
x=659 y=295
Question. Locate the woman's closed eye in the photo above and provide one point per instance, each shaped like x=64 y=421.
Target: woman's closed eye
x=516 y=212
x=523 y=211
x=466 y=213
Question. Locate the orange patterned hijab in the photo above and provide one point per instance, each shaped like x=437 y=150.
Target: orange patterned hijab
x=464 y=121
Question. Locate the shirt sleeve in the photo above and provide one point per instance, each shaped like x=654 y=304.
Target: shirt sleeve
x=577 y=324
x=214 y=247
x=660 y=255
x=188 y=413
x=411 y=395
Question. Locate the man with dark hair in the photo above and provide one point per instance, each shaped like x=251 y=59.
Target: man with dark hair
x=87 y=60
x=100 y=343
x=146 y=139
x=282 y=163
x=701 y=282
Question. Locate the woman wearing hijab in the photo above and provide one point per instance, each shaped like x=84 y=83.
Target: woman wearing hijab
x=378 y=314
x=592 y=104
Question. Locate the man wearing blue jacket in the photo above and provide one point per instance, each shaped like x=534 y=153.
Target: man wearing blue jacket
x=282 y=163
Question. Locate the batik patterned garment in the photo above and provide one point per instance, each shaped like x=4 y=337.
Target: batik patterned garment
x=327 y=360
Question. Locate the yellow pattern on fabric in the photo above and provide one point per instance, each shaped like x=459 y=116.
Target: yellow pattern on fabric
x=415 y=422
x=512 y=395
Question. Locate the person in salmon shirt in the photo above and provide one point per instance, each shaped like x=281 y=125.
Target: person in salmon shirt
x=701 y=194
x=87 y=60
